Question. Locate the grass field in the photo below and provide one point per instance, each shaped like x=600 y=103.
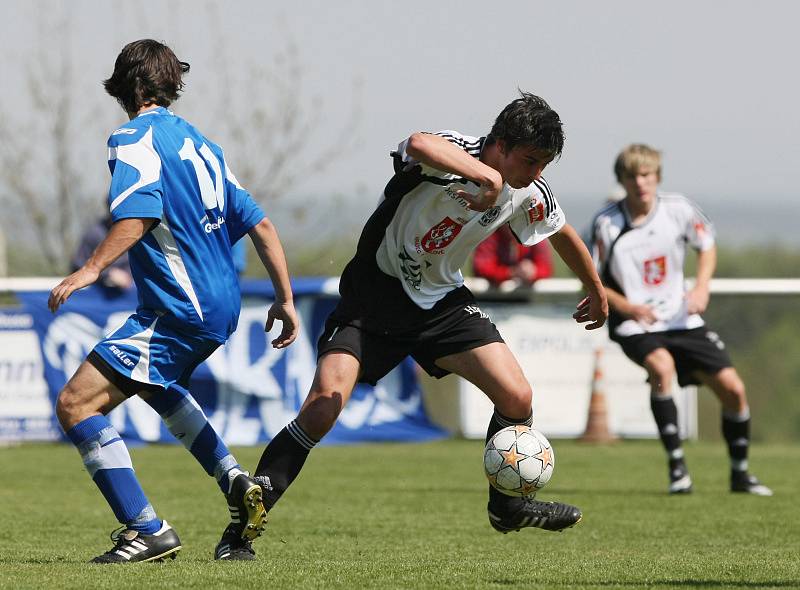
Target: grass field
x=413 y=516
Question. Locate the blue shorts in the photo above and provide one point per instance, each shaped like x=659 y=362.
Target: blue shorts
x=144 y=351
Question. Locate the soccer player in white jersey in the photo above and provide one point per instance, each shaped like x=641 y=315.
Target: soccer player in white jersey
x=403 y=293
x=639 y=245
x=178 y=209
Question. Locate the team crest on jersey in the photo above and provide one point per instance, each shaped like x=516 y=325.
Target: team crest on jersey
x=440 y=235
x=655 y=270
x=535 y=212
x=489 y=216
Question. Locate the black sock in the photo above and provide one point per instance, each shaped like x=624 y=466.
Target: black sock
x=497 y=423
x=736 y=430
x=282 y=461
x=666 y=415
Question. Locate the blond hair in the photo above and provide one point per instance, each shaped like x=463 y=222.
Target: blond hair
x=636 y=156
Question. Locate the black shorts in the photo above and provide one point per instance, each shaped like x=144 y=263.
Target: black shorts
x=380 y=341
x=698 y=349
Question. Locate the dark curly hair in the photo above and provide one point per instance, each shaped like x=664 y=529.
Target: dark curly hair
x=146 y=71
x=529 y=121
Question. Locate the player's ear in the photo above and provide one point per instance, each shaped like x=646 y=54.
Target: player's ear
x=501 y=145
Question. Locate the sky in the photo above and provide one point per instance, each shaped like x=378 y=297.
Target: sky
x=713 y=85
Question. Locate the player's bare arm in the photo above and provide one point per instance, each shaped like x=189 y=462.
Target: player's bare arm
x=270 y=251
x=120 y=238
x=697 y=298
x=437 y=152
x=594 y=307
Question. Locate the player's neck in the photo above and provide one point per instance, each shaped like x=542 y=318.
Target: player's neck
x=491 y=157
x=638 y=210
x=145 y=107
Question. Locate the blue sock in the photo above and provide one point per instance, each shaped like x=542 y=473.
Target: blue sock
x=107 y=460
x=187 y=422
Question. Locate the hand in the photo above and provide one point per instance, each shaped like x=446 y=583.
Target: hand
x=594 y=309
x=697 y=300
x=285 y=313
x=77 y=280
x=487 y=193
x=643 y=314
x=482 y=201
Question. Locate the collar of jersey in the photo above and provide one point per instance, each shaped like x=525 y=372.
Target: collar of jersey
x=647 y=219
x=156 y=111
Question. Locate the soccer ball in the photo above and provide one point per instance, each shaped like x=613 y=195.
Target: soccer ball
x=518 y=461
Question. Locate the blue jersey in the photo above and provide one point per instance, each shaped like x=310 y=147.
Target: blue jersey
x=164 y=168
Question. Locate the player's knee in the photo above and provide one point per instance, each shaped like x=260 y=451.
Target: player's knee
x=517 y=402
x=68 y=408
x=733 y=391
x=661 y=368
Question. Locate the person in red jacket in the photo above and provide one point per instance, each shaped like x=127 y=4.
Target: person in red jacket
x=501 y=257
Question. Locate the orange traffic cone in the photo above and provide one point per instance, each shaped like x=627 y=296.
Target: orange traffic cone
x=597 y=430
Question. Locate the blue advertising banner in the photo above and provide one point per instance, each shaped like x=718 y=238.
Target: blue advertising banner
x=248 y=390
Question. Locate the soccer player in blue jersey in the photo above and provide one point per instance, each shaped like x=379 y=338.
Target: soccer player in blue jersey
x=177 y=209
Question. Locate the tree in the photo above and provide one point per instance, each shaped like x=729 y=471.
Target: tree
x=39 y=155
x=270 y=129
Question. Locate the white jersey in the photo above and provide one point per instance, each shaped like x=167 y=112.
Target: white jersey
x=430 y=231
x=645 y=262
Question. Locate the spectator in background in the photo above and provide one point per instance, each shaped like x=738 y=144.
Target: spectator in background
x=501 y=257
x=117 y=276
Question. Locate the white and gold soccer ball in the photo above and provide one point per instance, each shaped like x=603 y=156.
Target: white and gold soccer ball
x=518 y=461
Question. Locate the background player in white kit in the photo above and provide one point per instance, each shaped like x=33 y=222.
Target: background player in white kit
x=403 y=292
x=639 y=245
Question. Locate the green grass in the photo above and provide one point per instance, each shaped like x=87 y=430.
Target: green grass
x=413 y=516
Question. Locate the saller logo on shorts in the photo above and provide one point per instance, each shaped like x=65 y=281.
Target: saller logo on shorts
x=440 y=235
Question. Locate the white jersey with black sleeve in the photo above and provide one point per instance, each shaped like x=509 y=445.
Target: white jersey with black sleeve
x=644 y=262
x=428 y=231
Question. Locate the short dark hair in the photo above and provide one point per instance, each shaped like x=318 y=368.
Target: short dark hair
x=146 y=71
x=529 y=121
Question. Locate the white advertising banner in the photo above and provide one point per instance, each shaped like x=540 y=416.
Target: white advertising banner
x=26 y=412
